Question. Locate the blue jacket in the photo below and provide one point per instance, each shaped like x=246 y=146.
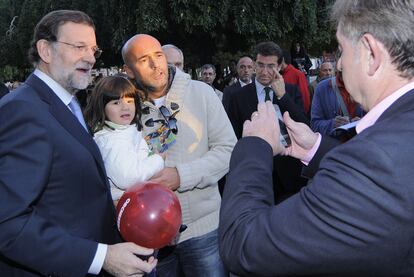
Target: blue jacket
x=325 y=108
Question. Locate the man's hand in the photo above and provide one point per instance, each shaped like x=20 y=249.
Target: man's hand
x=264 y=124
x=168 y=177
x=120 y=260
x=278 y=84
x=302 y=137
x=340 y=120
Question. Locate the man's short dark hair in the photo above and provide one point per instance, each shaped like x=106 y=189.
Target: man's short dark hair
x=48 y=28
x=269 y=48
x=286 y=56
x=207 y=66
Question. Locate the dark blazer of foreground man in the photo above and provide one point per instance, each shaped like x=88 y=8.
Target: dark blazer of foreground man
x=55 y=203
x=356 y=216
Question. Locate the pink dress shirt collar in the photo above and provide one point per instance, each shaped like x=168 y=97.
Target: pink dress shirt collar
x=372 y=116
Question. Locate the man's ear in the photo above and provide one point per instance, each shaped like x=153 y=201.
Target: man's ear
x=129 y=71
x=374 y=53
x=45 y=50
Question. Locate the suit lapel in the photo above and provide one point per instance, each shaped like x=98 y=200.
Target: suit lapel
x=65 y=117
x=252 y=98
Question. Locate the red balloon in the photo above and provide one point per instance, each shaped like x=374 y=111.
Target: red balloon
x=149 y=215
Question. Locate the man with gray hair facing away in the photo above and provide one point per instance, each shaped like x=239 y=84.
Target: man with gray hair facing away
x=174 y=55
x=356 y=217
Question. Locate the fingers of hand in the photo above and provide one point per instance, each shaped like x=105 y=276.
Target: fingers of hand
x=146 y=266
x=246 y=128
x=246 y=125
x=286 y=118
x=136 y=249
x=254 y=115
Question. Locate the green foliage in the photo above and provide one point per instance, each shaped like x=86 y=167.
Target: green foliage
x=207 y=30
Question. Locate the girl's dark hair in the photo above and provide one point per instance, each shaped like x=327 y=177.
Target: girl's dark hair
x=108 y=89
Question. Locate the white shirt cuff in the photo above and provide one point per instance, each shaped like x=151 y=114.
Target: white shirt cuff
x=98 y=260
x=309 y=156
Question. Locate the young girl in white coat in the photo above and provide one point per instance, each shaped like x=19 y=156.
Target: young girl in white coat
x=113 y=113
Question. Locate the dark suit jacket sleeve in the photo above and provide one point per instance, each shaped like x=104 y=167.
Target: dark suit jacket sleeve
x=226 y=97
x=292 y=102
x=234 y=114
x=26 y=237
x=327 y=143
x=342 y=222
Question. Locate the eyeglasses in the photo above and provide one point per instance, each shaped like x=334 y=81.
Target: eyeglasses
x=270 y=66
x=82 y=49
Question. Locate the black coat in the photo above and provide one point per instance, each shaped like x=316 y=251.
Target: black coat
x=287 y=171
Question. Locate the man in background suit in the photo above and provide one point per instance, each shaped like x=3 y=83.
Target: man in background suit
x=245 y=69
x=3 y=90
x=356 y=217
x=287 y=170
x=56 y=214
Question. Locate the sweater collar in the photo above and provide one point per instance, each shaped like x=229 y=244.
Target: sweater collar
x=113 y=126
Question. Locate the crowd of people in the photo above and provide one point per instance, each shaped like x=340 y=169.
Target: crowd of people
x=276 y=175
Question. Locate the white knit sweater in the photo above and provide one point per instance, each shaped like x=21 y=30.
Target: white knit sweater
x=201 y=154
x=125 y=155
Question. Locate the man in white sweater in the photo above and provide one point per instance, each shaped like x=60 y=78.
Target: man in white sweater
x=195 y=162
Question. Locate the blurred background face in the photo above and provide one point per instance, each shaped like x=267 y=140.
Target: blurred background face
x=208 y=75
x=266 y=66
x=174 y=58
x=297 y=46
x=326 y=70
x=245 y=69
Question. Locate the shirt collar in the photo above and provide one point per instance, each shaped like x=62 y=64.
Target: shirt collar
x=372 y=116
x=259 y=87
x=60 y=92
x=242 y=84
x=289 y=67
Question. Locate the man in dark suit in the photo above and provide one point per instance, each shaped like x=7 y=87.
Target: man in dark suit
x=356 y=216
x=3 y=90
x=287 y=170
x=245 y=68
x=56 y=213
